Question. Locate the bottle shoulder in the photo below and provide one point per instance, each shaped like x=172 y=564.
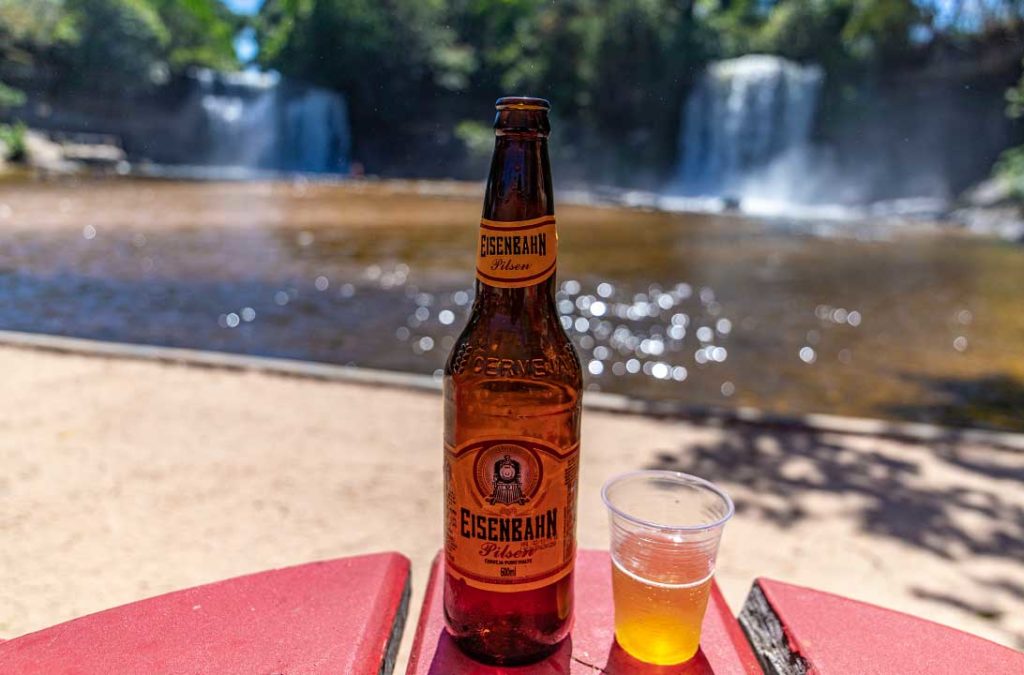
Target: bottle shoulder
x=498 y=346
x=498 y=388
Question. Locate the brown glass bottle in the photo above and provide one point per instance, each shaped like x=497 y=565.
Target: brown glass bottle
x=512 y=389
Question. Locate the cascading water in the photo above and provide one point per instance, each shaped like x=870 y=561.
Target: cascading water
x=260 y=121
x=745 y=116
x=316 y=131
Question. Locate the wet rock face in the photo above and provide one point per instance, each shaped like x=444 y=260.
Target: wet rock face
x=42 y=153
x=69 y=155
x=992 y=208
x=1005 y=221
x=93 y=153
x=994 y=191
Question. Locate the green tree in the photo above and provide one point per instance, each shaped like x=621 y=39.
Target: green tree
x=32 y=31
x=881 y=29
x=615 y=71
x=644 y=61
x=829 y=32
x=390 y=58
x=200 y=33
x=10 y=97
x=806 y=31
x=735 y=23
x=121 y=43
x=112 y=45
x=499 y=38
x=1010 y=166
x=12 y=136
x=34 y=23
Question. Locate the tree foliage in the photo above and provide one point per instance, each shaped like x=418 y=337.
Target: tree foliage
x=418 y=73
x=121 y=39
x=610 y=67
x=113 y=45
x=615 y=70
x=10 y=97
x=1010 y=166
x=12 y=142
x=200 y=33
x=390 y=58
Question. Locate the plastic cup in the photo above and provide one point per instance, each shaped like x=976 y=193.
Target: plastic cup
x=665 y=530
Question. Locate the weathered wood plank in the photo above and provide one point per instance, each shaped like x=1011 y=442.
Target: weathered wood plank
x=765 y=632
x=799 y=630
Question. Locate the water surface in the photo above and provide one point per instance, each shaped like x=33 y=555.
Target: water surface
x=916 y=323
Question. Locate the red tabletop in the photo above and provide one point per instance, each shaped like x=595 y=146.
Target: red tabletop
x=591 y=647
x=799 y=629
x=339 y=616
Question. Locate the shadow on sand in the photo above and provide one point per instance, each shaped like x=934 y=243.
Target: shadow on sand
x=995 y=401
x=896 y=503
x=955 y=517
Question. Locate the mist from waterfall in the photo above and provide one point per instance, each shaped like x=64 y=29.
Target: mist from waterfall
x=257 y=121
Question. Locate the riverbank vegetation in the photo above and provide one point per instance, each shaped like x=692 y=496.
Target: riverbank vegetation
x=418 y=73
x=1010 y=167
x=616 y=71
x=109 y=46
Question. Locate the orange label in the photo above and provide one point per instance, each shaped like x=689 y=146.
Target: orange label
x=516 y=254
x=510 y=521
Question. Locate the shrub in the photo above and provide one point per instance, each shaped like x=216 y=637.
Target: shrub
x=1010 y=168
x=12 y=137
x=10 y=97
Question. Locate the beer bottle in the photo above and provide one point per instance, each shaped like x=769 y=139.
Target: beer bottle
x=512 y=400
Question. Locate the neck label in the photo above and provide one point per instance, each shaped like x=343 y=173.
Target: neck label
x=515 y=254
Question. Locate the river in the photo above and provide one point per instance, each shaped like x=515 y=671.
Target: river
x=916 y=322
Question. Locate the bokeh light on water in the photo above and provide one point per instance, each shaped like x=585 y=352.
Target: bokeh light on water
x=872 y=320
x=623 y=337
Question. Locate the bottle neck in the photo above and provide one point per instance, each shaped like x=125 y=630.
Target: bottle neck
x=518 y=189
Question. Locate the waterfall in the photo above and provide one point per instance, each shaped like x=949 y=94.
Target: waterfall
x=260 y=121
x=315 y=135
x=744 y=118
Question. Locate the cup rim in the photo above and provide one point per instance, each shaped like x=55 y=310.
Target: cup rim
x=677 y=475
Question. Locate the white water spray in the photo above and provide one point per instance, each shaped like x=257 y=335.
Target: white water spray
x=746 y=119
x=258 y=121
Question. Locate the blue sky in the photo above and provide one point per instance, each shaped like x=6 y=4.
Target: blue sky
x=943 y=9
x=245 y=42
x=243 y=6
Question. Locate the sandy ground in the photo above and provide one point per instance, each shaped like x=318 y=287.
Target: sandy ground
x=124 y=479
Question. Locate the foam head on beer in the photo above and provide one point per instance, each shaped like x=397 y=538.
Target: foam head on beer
x=512 y=404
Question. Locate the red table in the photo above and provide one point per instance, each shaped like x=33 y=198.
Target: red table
x=591 y=648
x=800 y=630
x=340 y=616
x=346 y=616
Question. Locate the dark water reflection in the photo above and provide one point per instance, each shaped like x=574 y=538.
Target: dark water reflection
x=926 y=325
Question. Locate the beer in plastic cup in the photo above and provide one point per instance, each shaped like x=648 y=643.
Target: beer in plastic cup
x=665 y=529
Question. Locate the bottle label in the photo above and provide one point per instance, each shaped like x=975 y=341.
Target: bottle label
x=510 y=512
x=514 y=254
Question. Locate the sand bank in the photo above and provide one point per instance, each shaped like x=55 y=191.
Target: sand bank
x=123 y=479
